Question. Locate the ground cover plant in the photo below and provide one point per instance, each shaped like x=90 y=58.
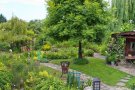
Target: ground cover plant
x=131 y=83
x=97 y=68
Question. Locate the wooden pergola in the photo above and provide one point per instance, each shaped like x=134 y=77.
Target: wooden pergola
x=129 y=44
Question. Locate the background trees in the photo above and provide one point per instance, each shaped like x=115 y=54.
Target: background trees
x=15 y=34
x=2 y=18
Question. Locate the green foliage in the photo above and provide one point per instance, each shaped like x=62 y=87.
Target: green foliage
x=93 y=46
x=115 y=50
x=66 y=44
x=103 y=48
x=4 y=46
x=111 y=57
x=61 y=53
x=89 y=83
x=88 y=52
x=36 y=26
x=56 y=55
x=124 y=10
x=5 y=77
x=80 y=61
x=14 y=33
x=43 y=81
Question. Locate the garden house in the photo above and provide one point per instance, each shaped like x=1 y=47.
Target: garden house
x=129 y=51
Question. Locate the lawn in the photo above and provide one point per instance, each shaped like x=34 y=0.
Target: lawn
x=98 y=68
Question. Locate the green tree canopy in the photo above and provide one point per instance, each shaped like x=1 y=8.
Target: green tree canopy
x=79 y=19
x=2 y=18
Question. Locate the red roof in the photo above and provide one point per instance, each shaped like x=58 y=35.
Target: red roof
x=128 y=34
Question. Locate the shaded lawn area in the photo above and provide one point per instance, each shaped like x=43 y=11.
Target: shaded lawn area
x=98 y=68
x=130 y=82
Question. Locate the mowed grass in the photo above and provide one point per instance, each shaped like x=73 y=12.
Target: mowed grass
x=97 y=68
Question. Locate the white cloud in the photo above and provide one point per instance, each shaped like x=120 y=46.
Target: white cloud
x=32 y=2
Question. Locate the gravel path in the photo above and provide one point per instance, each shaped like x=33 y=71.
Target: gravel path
x=97 y=55
x=85 y=77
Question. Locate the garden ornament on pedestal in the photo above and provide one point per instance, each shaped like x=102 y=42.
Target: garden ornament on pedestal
x=64 y=67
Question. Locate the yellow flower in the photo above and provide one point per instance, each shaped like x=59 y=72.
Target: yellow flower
x=46 y=47
x=44 y=74
x=35 y=58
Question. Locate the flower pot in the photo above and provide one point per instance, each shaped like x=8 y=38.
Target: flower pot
x=112 y=63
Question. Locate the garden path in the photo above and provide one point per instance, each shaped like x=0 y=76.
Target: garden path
x=85 y=77
x=97 y=55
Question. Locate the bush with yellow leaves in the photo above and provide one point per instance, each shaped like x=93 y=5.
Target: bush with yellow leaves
x=46 y=47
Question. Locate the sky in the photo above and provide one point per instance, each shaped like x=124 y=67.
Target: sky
x=23 y=9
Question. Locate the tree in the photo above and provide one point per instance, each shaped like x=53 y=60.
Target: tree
x=2 y=18
x=35 y=25
x=76 y=19
x=124 y=10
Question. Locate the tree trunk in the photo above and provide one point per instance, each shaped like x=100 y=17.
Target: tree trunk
x=80 y=50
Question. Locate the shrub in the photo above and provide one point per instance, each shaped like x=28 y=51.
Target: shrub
x=103 y=49
x=56 y=55
x=43 y=81
x=92 y=46
x=88 y=52
x=4 y=46
x=82 y=61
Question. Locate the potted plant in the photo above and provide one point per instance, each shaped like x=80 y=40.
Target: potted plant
x=111 y=59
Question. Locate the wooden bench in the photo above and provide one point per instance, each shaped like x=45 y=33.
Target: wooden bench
x=130 y=59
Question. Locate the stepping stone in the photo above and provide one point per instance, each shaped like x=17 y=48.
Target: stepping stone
x=88 y=88
x=127 y=78
x=121 y=84
x=124 y=80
